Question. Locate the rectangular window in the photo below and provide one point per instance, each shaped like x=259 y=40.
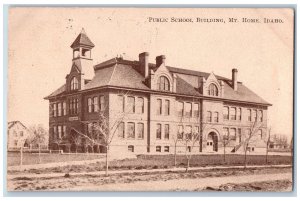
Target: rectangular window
x=197 y=132
x=158 y=131
x=249 y=114
x=247 y=133
x=95 y=104
x=180 y=108
x=240 y=134
x=59 y=109
x=239 y=114
x=21 y=133
x=54 y=109
x=232 y=135
x=121 y=130
x=226 y=113
x=260 y=134
x=64 y=131
x=130 y=130
x=255 y=115
x=209 y=116
x=140 y=130
x=158 y=148
x=167 y=131
x=260 y=115
x=159 y=107
x=55 y=132
x=102 y=103
x=59 y=132
x=76 y=106
x=196 y=110
x=73 y=106
x=70 y=107
x=131 y=104
x=64 y=108
x=226 y=134
x=131 y=148
x=216 y=116
x=140 y=105
x=121 y=103
x=90 y=129
x=90 y=105
x=188 y=131
x=232 y=113
x=167 y=107
x=180 y=132
x=51 y=110
x=166 y=148
x=188 y=109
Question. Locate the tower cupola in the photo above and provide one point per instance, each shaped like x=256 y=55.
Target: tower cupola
x=82 y=46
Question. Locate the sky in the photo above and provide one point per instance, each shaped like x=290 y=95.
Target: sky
x=40 y=55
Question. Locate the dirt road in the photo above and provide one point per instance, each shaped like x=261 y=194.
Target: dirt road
x=160 y=180
x=183 y=184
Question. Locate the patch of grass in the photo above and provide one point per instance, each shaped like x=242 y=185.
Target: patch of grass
x=13 y=158
x=23 y=178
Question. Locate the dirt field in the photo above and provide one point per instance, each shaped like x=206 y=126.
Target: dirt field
x=154 y=180
x=264 y=186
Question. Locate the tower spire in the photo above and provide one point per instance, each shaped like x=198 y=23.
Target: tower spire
x=82 y=31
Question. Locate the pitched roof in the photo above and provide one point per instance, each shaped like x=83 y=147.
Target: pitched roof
x=82 y=39
x=12 y=123
x=57 y=92
x=123 y=73
x=193 y=72
x=242 y=94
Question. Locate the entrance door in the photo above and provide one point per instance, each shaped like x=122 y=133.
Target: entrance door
x=209 y=145
x=212 y=142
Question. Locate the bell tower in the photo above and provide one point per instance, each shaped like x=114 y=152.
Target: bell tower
x=82 y=55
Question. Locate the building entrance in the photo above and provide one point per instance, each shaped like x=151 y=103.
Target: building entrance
x=212 y=142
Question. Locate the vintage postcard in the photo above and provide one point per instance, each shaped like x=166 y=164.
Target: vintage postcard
x=150 y=99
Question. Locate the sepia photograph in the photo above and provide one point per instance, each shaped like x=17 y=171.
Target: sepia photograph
x=125 y=99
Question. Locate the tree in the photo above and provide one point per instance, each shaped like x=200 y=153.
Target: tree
x=76 y=140
x=268 y=140
x=38 y=137
x=103 y=133
x=190 y=139
x=225 y=142
x=175 y=139
x=103 y=130
x=249 y=138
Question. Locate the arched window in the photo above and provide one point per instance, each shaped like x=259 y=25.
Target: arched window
x=213 y=90
x=163 y=84
x=74 y=83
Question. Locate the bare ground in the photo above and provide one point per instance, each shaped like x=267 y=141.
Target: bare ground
x=196 y=180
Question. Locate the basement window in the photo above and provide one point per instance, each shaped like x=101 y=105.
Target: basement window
x=131 y=148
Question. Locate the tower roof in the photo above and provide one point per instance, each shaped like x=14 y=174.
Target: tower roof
x=82 y=40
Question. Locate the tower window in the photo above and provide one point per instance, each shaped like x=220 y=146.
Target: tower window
x=163 y=84
x=213 y=90
x=74 y=83
x=85 y=53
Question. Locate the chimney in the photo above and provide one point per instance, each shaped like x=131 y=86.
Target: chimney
x=234 y=79
x=144 y=64
x=160 y=60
